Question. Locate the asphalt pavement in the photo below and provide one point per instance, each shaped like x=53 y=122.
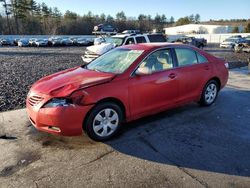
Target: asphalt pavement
x=190 y=146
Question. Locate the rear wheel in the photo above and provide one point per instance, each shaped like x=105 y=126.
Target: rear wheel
x=104 y=121
x=209 y=93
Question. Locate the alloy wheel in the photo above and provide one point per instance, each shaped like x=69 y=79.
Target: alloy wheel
x=210 y=93
x=105 y=122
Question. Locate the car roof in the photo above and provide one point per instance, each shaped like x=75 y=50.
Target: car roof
x=120 y=36
x=133 y=35
x=152 y=46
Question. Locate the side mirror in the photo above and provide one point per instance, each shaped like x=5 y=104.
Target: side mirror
x=143 y=71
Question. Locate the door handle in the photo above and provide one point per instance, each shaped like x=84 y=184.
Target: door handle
x=172 y=75
x=207 y=67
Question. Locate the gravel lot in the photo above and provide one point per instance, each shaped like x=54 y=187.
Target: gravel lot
x=234 y=59
x=21 y=67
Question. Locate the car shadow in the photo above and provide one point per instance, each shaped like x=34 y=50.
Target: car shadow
x=214 y=139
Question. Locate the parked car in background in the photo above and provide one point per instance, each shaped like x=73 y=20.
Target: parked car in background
x=82 y=42
x=243 y=46
x=66 y=41
x=197 y=42
x=32 y=42
x=230 y=42
x=54 y=41
x=105 y=28
x=247 y=37
x=93 y=52
x=125 y=39
x=153 y=77
x=109 y=43
x=6 y=42
x=41 y=42
x=99 y=40
x=235 y=37
x=131 y=32
x=23 y=42
x=48 y=41
x=15 y=41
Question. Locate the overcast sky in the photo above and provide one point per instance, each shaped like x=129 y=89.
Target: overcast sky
x=211 y=9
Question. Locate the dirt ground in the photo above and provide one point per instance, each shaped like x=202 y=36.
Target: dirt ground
x=191 y=146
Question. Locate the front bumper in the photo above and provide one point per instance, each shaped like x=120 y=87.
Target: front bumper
x=66 y=121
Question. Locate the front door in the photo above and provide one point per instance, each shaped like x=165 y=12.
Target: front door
x=154 y=86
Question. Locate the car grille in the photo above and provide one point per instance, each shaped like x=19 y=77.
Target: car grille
x=34 y=100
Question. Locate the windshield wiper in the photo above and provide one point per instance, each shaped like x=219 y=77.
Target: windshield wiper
x=95 y=69
x=84 y=66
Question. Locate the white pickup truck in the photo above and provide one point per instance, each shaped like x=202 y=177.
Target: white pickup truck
x=104 y=45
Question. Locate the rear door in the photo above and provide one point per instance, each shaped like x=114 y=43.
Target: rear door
x=194 y=70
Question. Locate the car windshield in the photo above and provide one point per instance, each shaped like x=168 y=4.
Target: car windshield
x=116 y=61
x=114 y=40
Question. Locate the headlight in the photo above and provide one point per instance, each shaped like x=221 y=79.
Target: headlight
x=56 y=102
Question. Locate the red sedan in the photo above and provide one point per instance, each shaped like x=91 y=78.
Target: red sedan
x=124 y=84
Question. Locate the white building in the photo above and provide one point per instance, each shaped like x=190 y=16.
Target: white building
x=199 y=29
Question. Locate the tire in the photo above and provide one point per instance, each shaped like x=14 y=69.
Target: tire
x=99 y=125
x=209 y=93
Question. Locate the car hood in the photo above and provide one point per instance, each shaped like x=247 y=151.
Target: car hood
x=100 y=48
x=63 y=83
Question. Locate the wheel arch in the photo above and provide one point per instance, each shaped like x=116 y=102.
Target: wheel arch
x=108 y=99
x=215 y=78
x=116 y=101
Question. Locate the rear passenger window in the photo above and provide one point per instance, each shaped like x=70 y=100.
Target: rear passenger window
x=140 y=40
x=201 y=58
x=130 y=41
x=157 y=38
x=185 y=56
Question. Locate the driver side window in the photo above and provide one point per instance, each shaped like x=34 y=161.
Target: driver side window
x=157 y=61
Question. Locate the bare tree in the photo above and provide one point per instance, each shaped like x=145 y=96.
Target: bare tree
x=7 y=12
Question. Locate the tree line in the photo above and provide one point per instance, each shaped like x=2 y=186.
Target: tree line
x=32 y=18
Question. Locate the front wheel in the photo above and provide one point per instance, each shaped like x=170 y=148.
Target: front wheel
x=104 y=121
x=209 y=93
